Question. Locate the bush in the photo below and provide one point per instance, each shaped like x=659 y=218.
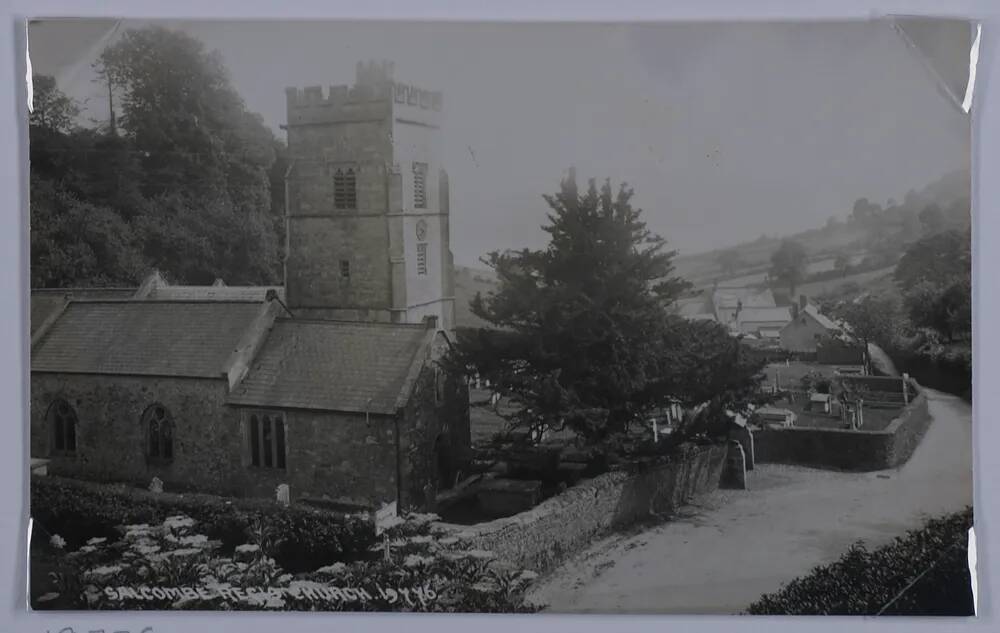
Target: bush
x=299 y=537
x=174 y=565
x=924 y=572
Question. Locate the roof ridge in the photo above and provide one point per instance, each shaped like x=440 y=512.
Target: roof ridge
x=378 y=324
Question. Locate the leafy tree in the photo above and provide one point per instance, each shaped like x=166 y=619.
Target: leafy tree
x=872 y=319
x=730 y=261
x=932 y=219
x=580 y=334
x=939 y=259
x=788 y=265
x=864 y=212
x=946 y=309
x=842 y=264
x=51 y=109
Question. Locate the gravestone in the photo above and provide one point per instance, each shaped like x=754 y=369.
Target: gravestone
x=282 y=494
x=735 y=474
x=744 y=436
x=156 y=485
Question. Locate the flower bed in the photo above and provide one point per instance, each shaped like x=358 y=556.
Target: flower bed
x=174 y=565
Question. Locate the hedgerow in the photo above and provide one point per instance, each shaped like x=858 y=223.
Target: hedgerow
x=924 y=572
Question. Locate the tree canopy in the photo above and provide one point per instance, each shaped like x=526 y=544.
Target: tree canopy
x=182 y=177
x=581 y=337
x=788 y=265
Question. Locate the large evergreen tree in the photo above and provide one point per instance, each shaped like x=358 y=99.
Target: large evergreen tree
x=581 y=337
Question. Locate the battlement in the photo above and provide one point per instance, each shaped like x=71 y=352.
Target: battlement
x=373 y=83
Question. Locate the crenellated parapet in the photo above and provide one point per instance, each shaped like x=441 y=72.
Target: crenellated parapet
x=374 y=94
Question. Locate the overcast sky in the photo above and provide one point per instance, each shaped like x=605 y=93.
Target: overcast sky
x=726 y=131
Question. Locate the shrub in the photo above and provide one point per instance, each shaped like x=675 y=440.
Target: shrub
x=924 y=572
x=299 y=537
x=174 y=565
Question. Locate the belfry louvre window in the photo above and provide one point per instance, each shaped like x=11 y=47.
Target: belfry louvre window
x=345 y=188
x=159 y=434
x=62 y=422
x=267 y=440
x=422 y=258
x=419 y=185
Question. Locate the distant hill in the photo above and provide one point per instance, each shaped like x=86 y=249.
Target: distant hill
x=869 y=232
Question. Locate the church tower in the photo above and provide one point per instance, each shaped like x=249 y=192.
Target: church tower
x=367 y=203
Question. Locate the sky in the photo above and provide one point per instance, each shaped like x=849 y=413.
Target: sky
x=726 y=131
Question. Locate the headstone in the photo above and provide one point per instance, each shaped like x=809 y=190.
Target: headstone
x=735 y=475
x=282 y=494
x=156 y=485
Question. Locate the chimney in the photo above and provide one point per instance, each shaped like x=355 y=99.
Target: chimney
x=795 y=311
x=431 y=321
x=803 y=301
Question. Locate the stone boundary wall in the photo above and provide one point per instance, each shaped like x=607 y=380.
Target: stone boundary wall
x=558 y=527
x=844 y=449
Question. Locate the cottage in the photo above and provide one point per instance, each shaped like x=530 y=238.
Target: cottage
x=808 y=329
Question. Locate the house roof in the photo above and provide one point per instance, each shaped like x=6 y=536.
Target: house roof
x=748 y=297
x=212 y=293
x=822 y=319
x=765 y=315
x=151 y=338
x=334 y=365
x=47 y=301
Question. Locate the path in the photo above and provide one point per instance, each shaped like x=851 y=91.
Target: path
x=721 y=553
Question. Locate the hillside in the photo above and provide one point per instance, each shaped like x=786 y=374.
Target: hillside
x=868 y=230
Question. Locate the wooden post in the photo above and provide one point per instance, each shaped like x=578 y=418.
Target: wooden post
x=906 y=389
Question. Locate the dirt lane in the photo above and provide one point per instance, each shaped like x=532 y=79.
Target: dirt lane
x=722 y=552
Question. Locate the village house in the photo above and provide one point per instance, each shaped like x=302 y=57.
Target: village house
x=807 y=328
x=333 y=384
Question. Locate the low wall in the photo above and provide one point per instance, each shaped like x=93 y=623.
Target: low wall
x=845 y=449
x=558 y=527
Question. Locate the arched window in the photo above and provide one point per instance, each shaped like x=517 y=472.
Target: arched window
x=61 y=419
x=159 y=434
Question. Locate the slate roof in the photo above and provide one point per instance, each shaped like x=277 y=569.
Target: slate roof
x=45 y=301
x=144 y=338
x=822 y=319
x=213 y=293
x=749 y=297
x=765 y=315
x=333 y=365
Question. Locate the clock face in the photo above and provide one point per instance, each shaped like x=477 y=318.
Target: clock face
x=421 y=230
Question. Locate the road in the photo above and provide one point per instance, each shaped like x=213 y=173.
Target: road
x=728 y=548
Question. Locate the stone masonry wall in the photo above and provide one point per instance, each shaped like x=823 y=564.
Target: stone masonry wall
x=544 y=536
x=844 y=449
x=331 y=456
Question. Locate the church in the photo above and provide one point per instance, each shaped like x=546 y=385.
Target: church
x=332 y=384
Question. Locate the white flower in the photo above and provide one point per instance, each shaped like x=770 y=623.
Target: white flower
x=415 y=560
x=246 y=548
x=528 y=575
x=184 y=552
x=105 y=570
x=57 y=542
x=147 y=549
x=334 y=569
x=194 y=539
x=421 y=539
x=86 y=549
x=97 y=540
x=177 y=522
